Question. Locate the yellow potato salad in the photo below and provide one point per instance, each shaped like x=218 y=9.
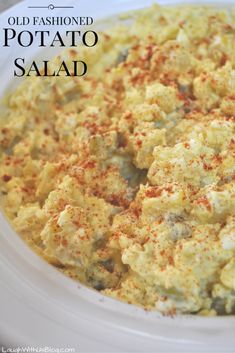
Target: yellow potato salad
x=125 y=179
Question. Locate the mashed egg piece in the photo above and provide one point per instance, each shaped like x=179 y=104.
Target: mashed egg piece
x=125 y=179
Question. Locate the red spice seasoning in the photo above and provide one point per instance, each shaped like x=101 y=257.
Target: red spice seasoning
x=6 y=178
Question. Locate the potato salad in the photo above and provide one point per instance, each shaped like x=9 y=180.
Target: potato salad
x=125 y=179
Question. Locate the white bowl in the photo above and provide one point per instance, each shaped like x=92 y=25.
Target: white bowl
x=41 y=307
